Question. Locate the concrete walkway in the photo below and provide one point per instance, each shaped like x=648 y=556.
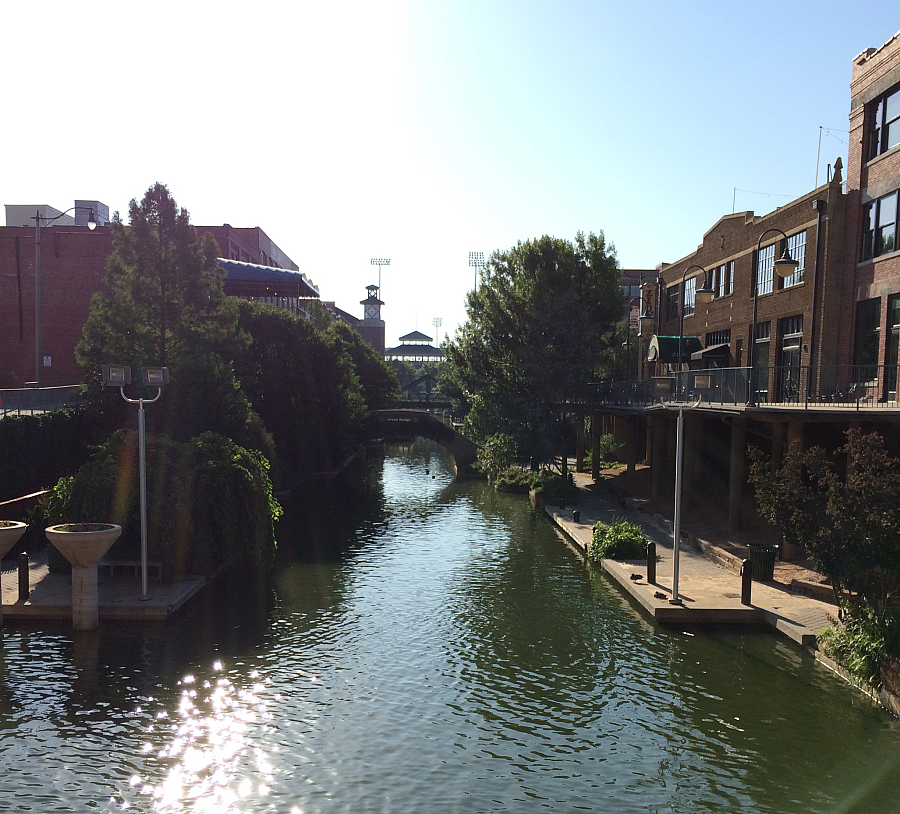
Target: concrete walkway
x=711 y=592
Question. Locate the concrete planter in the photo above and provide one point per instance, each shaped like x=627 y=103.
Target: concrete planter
x=83 y=544
x=10 y=532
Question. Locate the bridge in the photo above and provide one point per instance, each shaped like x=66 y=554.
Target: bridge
x=394 y=425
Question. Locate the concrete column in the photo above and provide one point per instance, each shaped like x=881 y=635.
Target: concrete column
x=630 y=443
x=658 y=460
x=595 y=444
x=737 y=473
x=85 y=614
x=779 y=441
x=690 y=457
x=794 y=433
x=579 y=443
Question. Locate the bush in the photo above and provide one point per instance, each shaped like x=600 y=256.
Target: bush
x=554 y=489
x=496 y=454
x=514 y=479
x=39 y=449
x=210 y=503
x=861 y=642
x=620 y=541
x=609 y=447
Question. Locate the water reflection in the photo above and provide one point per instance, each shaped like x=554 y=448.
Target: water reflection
x=430 y=646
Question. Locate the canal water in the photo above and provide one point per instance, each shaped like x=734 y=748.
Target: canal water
x=440 y=650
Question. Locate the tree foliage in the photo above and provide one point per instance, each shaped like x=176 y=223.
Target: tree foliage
x=496 y=453
x=163 y=303
x=849 y=524
x=533 y=337
x=380 y=388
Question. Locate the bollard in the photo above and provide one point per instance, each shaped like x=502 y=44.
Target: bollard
x=576 y=516
x=651 y=563
x=746 y=582
x=24 y=588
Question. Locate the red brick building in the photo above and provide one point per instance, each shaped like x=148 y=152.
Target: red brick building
x=869 y=329
x=73 y=264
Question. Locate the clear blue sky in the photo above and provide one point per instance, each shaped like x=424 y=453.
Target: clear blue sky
x=421 y=131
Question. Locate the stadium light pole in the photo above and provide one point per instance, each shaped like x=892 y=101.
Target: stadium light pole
x=380 y=261
x=476 y=261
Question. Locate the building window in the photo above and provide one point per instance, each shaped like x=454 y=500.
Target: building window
x=718 y=338
x=690 y=286
x=761 y=361
x=884 y=123
x=892 y=349
x=868 y=324
x=672 y=304
x=630 y=290
x=723 y=279
x=879 y=227
x=765 y=260
x=796 y=245
x=788 y=374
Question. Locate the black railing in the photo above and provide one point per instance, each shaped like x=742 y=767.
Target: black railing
x=799 y=386
x=31 y=400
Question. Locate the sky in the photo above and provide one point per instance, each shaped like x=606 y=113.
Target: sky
x=420 y=131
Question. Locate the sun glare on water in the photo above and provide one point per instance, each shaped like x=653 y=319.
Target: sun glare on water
x=209 y=760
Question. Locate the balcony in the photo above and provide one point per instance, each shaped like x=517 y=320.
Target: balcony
x=826 y=387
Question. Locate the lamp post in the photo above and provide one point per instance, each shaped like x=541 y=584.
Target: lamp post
x=380 y=261
x=784 y=266
x=38 y=217
x=701 y=295
x=119 y=376
x=476 y=261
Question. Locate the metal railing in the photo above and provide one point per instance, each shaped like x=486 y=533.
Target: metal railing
x=32 y=400
x=797 y=386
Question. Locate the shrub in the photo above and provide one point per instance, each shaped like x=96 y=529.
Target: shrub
x=514 y=479
x=496 y=453
x=210 y=502
x=609 y=447
x=619 y=541
x=860 y=643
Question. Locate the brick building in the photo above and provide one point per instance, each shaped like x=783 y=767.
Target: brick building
x=73 y=264
x=869 y=329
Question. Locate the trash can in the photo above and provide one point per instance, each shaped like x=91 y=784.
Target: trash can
x=762 y=561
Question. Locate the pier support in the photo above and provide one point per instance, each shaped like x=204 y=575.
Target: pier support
x=595 y=444
x=579 y=443
x=658 y=461
x=737 y=473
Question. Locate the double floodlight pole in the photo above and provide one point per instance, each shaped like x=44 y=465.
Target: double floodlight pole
x=119 y=376
x=38 y=217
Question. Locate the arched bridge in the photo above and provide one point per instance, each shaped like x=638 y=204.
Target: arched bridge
x=396 y=424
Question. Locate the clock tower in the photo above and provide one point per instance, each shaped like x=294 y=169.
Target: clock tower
x=372 y=326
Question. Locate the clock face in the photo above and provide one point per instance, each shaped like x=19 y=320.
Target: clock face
x=371 y=312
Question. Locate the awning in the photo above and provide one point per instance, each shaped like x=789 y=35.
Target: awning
x=722 y=351
x=665 y=348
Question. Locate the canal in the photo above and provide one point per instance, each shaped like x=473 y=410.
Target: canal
x=441 y=650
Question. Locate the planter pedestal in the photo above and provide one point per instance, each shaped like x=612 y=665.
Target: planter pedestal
x=9 y=536
x=83 y=549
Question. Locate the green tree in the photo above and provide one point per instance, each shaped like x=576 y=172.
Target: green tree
x=532 y=338
x=380 y=387
x=163 y=303
x=303 y=384
x=497 y=452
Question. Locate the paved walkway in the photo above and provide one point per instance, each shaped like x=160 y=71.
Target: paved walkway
x=119 y=595
x=711 y=592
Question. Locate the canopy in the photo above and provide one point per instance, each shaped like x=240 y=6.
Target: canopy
x=665 y=348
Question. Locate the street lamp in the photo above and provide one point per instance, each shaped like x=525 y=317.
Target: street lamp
x=784 y=266
x=38 y=217
x=380 y=261
x=476 y=261
x=119 y=376
x=701 y=295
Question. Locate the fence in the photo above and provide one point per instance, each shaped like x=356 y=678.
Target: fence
x=801 y=386
x=31 y=400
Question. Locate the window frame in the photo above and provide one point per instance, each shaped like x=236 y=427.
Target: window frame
x=880 y=126
x=764 y=270
x=796 y=245
x=875 y=224
x=689 y=298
